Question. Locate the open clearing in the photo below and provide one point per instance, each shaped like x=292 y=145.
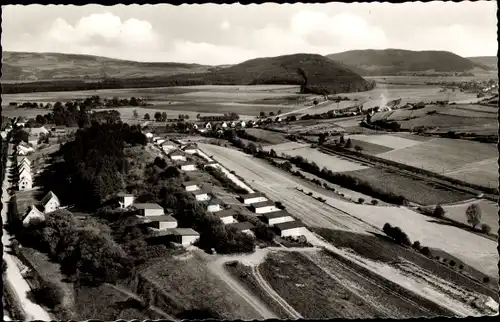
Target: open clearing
x=475 y=250
x=269 y=137
x=443 y=121
x=392 y=142
x=482 y=173
x=489 y=210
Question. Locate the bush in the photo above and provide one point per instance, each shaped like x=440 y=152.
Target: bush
x=397 y=234
x=426 y=251
x=309 y=193
x=452 y=263
x=416 y=245
x=460 y=266
x=49 y=294
x=438 y=211
x=445 y=260
x=279 y=205
x=486 y=279
x=4 y=265
x=485 y=228
x=374 y=202
x=361 y=200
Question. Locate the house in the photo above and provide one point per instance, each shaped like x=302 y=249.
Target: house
x=210 y=164
x=251 y=198
x=23 y=166
x=214 y=205
x=156 y=138
x=149 y=209
x=263 y=207
x=224 y=125
x=33 y=140
x=200 y=195
x=245 y=227
x=195 y=126
x=63 y=130
x=149 y=135
x=23 y=159
x=32 y=213
x=291 y=228
x=227 y=216
x=25 y=173
x=23 y=149
x=277 y=217
x=184 y=236
x=233 y=124
x=191 y=185
x=50 y=202
x=187 y=166
x=167 y=145
x=177 y=156
x=125 y=199
x=190 y=148
x=208 y=126
x=243 y=124
x=162 y=222
x=160 y=141
x=25 y=183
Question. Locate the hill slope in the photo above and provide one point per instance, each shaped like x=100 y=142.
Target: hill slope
x=489 y=61
x=25 y=66
x=395 y=61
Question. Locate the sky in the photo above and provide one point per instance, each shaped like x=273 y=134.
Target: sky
x=228 y=34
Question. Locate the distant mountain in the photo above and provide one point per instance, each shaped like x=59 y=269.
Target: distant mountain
x=372 y=62
x=489 y=61
x=316 y=74
x=24 y=66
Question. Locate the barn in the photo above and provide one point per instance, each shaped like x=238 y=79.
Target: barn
x=263 y=207
x=277 y=217
x=251 y=198
x=149 y=209
x=291 y=228
x=184 y=236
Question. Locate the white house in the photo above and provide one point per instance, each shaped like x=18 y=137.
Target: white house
x=149 y=135
x=187 y=166
x=125 y=199
x=156 y=138
x=167 y=145
x=149 y=209
x=200 y=195
x=291 y=228
x=277 y=217
x=191 y=185
x=25 y=173
x=191 y=149
x=224 y=125
x=177 y=156
x=208 y=126
x=243 y=124
x=251 y=198
x=25 y=183
x=23 y=149
x=233 y=124
x=23 y=166
x=214 y=205
x=184 y=236
x=50 y=202
x=263 y=207
x=245 y=227
x=195 y=126
x=162 y=222
x=160 y=141
x=23 y=159
x=227 y=216
x=32 y=213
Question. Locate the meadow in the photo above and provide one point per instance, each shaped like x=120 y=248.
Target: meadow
x=489 y=210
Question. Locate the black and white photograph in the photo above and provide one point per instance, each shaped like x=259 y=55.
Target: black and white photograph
x=249 y=161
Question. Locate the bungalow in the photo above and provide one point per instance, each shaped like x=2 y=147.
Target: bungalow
x=214 y=205
x=125 y=199
x=177 y=156
x=187 y=166
x=251 y=198
x=191 y=185
x=245 y=227
x=227 y=216
x=162 y=222
x=32 y=213
x=184 y=236
x=200 y=195
x=25 y=183
x=277 y=217
x=149 y=209
x=291 y=228
x=50 y=202
x=263 y=207
x=190 y=148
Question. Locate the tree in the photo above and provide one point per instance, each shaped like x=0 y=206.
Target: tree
x=348 y=144
x=315 y=102
x=49 y=294
x=262 y=114
x=322 y=138
x=136 y=114
x=158 y=116
x=164 y=117
x=416 y=245
x=271 y=113
x=438 y=211
x=426 y=251
x=473 y=214
x=342 y=140
x=279 y=112
x=485 y=228
x=358 y=148
x=147 y=117
x=198 y=115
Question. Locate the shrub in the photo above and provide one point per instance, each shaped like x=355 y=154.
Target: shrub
x=416 y=245
x=445 y=260
x=473 y=214
x=309 y=193
x=486 y=279
x=4 y=265
x=460 y=266
x=49 y=294
x=361 y=200
x=485 y=228
x=279 y=205
x=438 y=211
x=397 y=234
x=374 y=202
x=452 y=263
x=427 y=252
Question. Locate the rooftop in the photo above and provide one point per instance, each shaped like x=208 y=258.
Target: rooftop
x=225 y=213
x=184 y=232
x=252 y=195
x=243 y=225
x=289 y=225
x=164 y=218
x=199 y=192
x=276 y=214
x=190 y=183
x=147 y=206
x=123 y=194
x=266 y=203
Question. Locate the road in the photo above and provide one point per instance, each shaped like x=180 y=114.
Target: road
x=14 y=279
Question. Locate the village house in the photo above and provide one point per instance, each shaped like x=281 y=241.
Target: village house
x=125 y=199
x=22 y=167
x=210 y=164
x=195 y=126
x=149 y=135
x=177 y=156
x=161 y=222
x=263 y=207
x=208 y=126
x=160 y=141
x=291 y=228
x=149 y=209
x=50 y=202
x=233 y=124
x=184 y=236
x=214 y=205
x=63 y=130
x=224 y=125
x=20 y=121
x=251 y=198
x=25 y=183
x=186 y=165
x=191 y=185
x=227 y=216
x=277 y=217
x=200 y=195
x=32 y=213
x=156 y=138
x=190 y=148
x=25 y=173
x=23 y=149
x=244 y=227
x=167 y=145
x=243 y=124
x=23 y=159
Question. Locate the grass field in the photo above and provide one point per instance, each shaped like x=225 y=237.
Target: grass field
x=442 y=121
x=389 y=141
x=269 y=137
x=370 y=148
x=463 y=112
x=489 y=210
x=24 y=112
x=483 y=173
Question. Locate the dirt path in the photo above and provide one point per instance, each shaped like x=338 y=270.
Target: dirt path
x=14 y=279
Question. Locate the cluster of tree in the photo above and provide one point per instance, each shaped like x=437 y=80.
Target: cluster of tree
x=225 y=181
x=332 y=114
x=424 y=250
x=397 y=234
x=219 y=118
x=382 y=125
x=472 y=214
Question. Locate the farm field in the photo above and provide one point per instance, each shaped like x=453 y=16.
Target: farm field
x=24 y=112
x=489 y=210
x=288 y=146
x=370 y=148
x=443 y=121
x=412 y=189
x=475 y=250
x=269 y=137
x=482 y=173
x=389 y=141
x=463 y=112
